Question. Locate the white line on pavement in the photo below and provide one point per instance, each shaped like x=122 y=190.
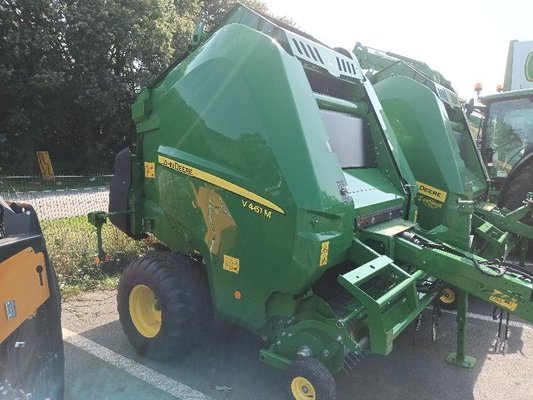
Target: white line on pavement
x=489 y=319
x=171 y=386
x=148 y=375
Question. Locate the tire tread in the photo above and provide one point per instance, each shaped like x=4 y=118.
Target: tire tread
x=184 y=298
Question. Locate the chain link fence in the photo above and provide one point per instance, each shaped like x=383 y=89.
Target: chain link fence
x=62 y=205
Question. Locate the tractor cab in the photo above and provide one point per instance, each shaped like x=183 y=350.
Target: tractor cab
x=507 y=136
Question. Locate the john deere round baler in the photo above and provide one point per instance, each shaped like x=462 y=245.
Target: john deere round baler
x=261 y=162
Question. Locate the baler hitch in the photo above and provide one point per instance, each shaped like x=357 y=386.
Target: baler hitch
x=98 y=219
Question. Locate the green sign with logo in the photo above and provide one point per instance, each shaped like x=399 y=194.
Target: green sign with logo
x=529 y=67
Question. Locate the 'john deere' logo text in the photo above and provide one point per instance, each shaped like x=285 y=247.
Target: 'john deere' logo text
x=431 y=192
x=529 y=67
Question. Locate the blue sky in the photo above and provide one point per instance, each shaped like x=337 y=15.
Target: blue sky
x=467 y=41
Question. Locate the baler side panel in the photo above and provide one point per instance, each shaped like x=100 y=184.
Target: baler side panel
x=441 y=175
x=240 y=138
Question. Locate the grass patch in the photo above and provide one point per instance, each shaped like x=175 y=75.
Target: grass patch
x=71 y=243
x=71 y=290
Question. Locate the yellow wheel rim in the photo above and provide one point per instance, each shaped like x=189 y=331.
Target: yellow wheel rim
x=302 y=389
x=144 y=311
x=447 y=296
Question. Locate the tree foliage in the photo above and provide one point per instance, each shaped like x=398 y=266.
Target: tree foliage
x=214 y=10
x=69 y=71
x=32 y=74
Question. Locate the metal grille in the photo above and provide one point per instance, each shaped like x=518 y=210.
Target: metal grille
x=62 y=203
x=367 y=220
x=335 y=63
x=65 y=196
x=447 y=95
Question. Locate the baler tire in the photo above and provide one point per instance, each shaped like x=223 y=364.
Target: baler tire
x=308 y=378
x=448 y=298
x=181 y=309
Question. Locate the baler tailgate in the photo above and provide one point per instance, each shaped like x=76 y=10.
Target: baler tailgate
x=393 y=308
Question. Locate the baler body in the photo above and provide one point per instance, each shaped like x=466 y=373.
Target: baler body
x=267 y=155
x=244 y=172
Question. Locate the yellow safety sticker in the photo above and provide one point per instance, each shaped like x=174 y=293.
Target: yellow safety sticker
x=231 y=264
x=149 y=170
x=432 y=192
x=215 y=180
x=324 y=251
x=504 y=300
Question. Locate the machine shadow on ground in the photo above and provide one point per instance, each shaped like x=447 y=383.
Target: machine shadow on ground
x=226 y=364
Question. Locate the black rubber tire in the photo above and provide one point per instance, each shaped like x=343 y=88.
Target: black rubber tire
x=38 y=367
x=316 y=373
x=518 y=189
x=448 y=305
x=180 y=286
x=516 y=194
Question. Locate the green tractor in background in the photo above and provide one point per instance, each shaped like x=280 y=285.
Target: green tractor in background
x=506 y=142
x=505 y=131
x=265 y=163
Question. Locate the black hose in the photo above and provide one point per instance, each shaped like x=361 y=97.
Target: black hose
x=495 y=265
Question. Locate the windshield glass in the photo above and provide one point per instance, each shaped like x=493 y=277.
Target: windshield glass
x=509 y=133
x=349 y=139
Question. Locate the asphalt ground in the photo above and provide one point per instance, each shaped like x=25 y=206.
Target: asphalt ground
x=101 y=364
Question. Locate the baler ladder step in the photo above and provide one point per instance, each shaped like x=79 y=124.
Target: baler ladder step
x=353 y=280
x=391 y=311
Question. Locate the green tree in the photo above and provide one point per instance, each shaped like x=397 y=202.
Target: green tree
x=32 y=77
x=188 y=14
x=114 y=48
x=214 y=10
x=70 y=69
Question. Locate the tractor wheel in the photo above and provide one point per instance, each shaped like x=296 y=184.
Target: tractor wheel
x=516 y=194
x=518 y=189
x=448 y=298
x=33 y=365
x=164 y=304
x=309 y=379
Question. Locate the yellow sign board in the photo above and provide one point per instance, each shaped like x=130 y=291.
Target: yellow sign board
x=45 y=165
